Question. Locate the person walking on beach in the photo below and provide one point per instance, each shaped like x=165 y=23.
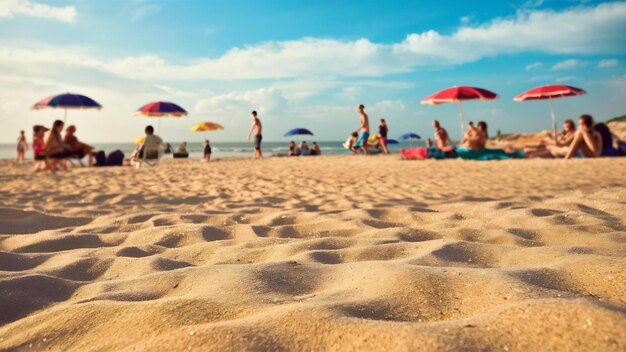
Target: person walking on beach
x=257 y=127
x=363 y=130
x=383 y=130
x=22 y=147
x=442 y=139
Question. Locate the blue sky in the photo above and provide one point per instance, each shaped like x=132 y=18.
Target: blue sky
x=305 y=63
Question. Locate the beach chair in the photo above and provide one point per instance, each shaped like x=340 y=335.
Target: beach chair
x=151 y=156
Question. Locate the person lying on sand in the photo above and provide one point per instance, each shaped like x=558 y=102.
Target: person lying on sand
x=556 y=148
x=587 y=141
x=77 y=148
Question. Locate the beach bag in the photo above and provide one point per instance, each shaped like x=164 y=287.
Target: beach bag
x=101 y=158
x=115 y=158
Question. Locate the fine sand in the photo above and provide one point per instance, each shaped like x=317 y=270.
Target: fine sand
x=332 y=253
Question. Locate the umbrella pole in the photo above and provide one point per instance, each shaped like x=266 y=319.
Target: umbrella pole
x=64 y=115
x=553 y=118
x=462 y=119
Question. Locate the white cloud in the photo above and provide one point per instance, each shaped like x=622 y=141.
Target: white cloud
x=568 y=65
x=350 y=93
x=13 y=8
x=534 y=66
x=608 y=63
x=263 y=100
x=314 y=57
x=145 y=10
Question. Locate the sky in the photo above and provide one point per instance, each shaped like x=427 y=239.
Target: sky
x=305 y=63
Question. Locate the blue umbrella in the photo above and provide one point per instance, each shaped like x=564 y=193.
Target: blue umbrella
x=67 y=101
x=297 y=132
x=410 y=137
x=392 y=141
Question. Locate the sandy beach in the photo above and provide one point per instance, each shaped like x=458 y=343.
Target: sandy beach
x=333 y=253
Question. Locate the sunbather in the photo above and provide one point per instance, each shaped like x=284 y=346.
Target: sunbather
x=55 y=148
x=315 y=149
x=587 y=141
x=476 y=137
x=442 y=139
x=77 y=148
x=554 y=148
x=150 y=141
x=303 y=149
x=292 y=149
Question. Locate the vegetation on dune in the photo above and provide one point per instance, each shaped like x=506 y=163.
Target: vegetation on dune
x=618 y=119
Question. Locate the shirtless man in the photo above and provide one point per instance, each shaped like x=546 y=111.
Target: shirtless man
x=442 y=139
x=257 y=127
x=586 y=140
x=363 y=130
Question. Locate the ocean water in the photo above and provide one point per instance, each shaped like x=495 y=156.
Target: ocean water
x=220 y=149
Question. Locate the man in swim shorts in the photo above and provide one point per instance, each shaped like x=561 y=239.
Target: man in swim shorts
x=257 y=127
x=363 y=130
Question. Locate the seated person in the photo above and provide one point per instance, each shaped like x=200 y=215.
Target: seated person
x=54 y=147
x=304 y=148
x=352 y=143
x=292 y=149
x=315 y=149
x=38 y=148
x=556 y=148
x=181 y=152
x=207 y=151
x=587 y=141
x=442 y=139
x=476 y=137
x=151 y=141
x=77 y=148
x=607 y=140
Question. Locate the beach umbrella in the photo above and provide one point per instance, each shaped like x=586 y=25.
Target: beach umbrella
x=67 y=101
x=549 y=92
x=161 y=109
x=205 y=127
x=139 y=140
x=297 y=132
x=392 y=141
x=458 y=95
x=410 y=136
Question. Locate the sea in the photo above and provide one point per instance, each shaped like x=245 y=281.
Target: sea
x=219 y=149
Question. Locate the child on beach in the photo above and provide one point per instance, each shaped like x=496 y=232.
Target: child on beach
x=207 y=151
x=22 y=147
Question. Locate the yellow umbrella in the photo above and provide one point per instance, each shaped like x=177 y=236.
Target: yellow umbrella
x=206 y=126
x=139 y=140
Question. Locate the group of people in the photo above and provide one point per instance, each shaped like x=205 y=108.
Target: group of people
x=52 y=151
x=360 y=139
x=303 y=149
x=589 y=140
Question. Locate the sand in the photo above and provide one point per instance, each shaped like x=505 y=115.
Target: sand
x=332 y=253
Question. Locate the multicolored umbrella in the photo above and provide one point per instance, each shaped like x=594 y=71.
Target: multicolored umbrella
x=67 y=101
x=161 y=109
x=458 y=95
x=549 y=92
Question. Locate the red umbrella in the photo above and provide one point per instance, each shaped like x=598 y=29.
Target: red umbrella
x=458 y=95
x=550 y=92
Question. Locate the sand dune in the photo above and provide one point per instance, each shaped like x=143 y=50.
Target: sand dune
x=329 y=253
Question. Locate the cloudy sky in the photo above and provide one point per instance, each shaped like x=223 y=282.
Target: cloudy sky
x=305 y=63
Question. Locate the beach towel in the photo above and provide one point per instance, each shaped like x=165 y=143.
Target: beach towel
x=421 y=153
x=487 y=154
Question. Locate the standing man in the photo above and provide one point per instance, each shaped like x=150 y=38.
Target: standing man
x=363 y=130
x=257 y=127
x=442 y=138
